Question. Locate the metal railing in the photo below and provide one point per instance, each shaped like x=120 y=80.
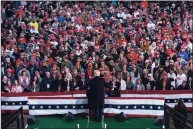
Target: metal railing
x=12 y=118
x=170 y=112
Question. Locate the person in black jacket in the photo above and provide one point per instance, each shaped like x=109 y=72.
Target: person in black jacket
x=164 y=83
x=183 y=86
x=3 y=84
x=96 y=95
x=81 y=82
x=46 y=84
x=58 y=84
x=54 y=82
x=115 y=91
x=180 y=112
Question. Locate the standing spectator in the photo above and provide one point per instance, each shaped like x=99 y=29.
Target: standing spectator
x=35 y=85
x=68 y=82
x=129 y=84
x=115 y=90
x=172 y=77
x=9 y=74
x=151 y=83
x=59 y=83
x=183 y=86
x=8 y=11
x=180 y=77
x=164 y=83
x=67 y=64
x=24 y=81
x=8 y=86
x=138 y=85
x=190 y=77
x=16 y=88
x=82 y=82
x=3 y=84
x=46 y=84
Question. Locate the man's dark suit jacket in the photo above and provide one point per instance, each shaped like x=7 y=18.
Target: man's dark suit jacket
x=96 y=93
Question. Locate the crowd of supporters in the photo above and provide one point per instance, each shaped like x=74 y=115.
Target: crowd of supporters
x=56 y=46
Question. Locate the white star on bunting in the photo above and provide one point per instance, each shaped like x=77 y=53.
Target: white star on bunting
x=159 y=107
x=6 y=103
x=73 y=106
x=189 y=100
x=65 y=106
x=57 y=106
x=118 y=106
x=135 y=107
x=150 y=107
x=20 y=103
x=41 y=107
x=33 y=107
x=49 y=106
x=126 y=106
x=143 y=106
x=82 y=106
x=168 y=101
x=13 y=103
x=175 y=100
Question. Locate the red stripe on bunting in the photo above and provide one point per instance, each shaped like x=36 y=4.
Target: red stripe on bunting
x=157 y=92
x=121 y=98
x=57 y=98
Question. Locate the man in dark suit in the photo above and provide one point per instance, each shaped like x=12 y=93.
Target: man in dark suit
x=96 y=95
x=46 y=84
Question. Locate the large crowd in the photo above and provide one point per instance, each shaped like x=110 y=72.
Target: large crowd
x=56 y=46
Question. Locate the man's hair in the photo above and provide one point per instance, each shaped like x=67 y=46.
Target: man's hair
x=96 y=73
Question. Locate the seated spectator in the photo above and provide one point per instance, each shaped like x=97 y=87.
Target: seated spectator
x=16 y=88
x=138 y=85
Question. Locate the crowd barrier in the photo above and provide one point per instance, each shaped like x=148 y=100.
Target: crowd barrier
x=12 y=101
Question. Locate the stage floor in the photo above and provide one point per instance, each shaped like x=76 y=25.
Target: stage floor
x=56 y=122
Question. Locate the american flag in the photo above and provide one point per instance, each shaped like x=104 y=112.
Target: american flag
x=125 y=103
x=171 y=97
x=130 y=106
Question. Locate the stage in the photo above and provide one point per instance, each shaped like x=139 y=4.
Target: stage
x=57 y=122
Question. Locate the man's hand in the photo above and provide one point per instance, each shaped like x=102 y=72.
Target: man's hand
x=59 y=88
x=77 y=88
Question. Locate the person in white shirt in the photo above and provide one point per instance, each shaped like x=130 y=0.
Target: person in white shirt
x=150 y=26
x=123 y=84
x=180 y=78
x=172 y=77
